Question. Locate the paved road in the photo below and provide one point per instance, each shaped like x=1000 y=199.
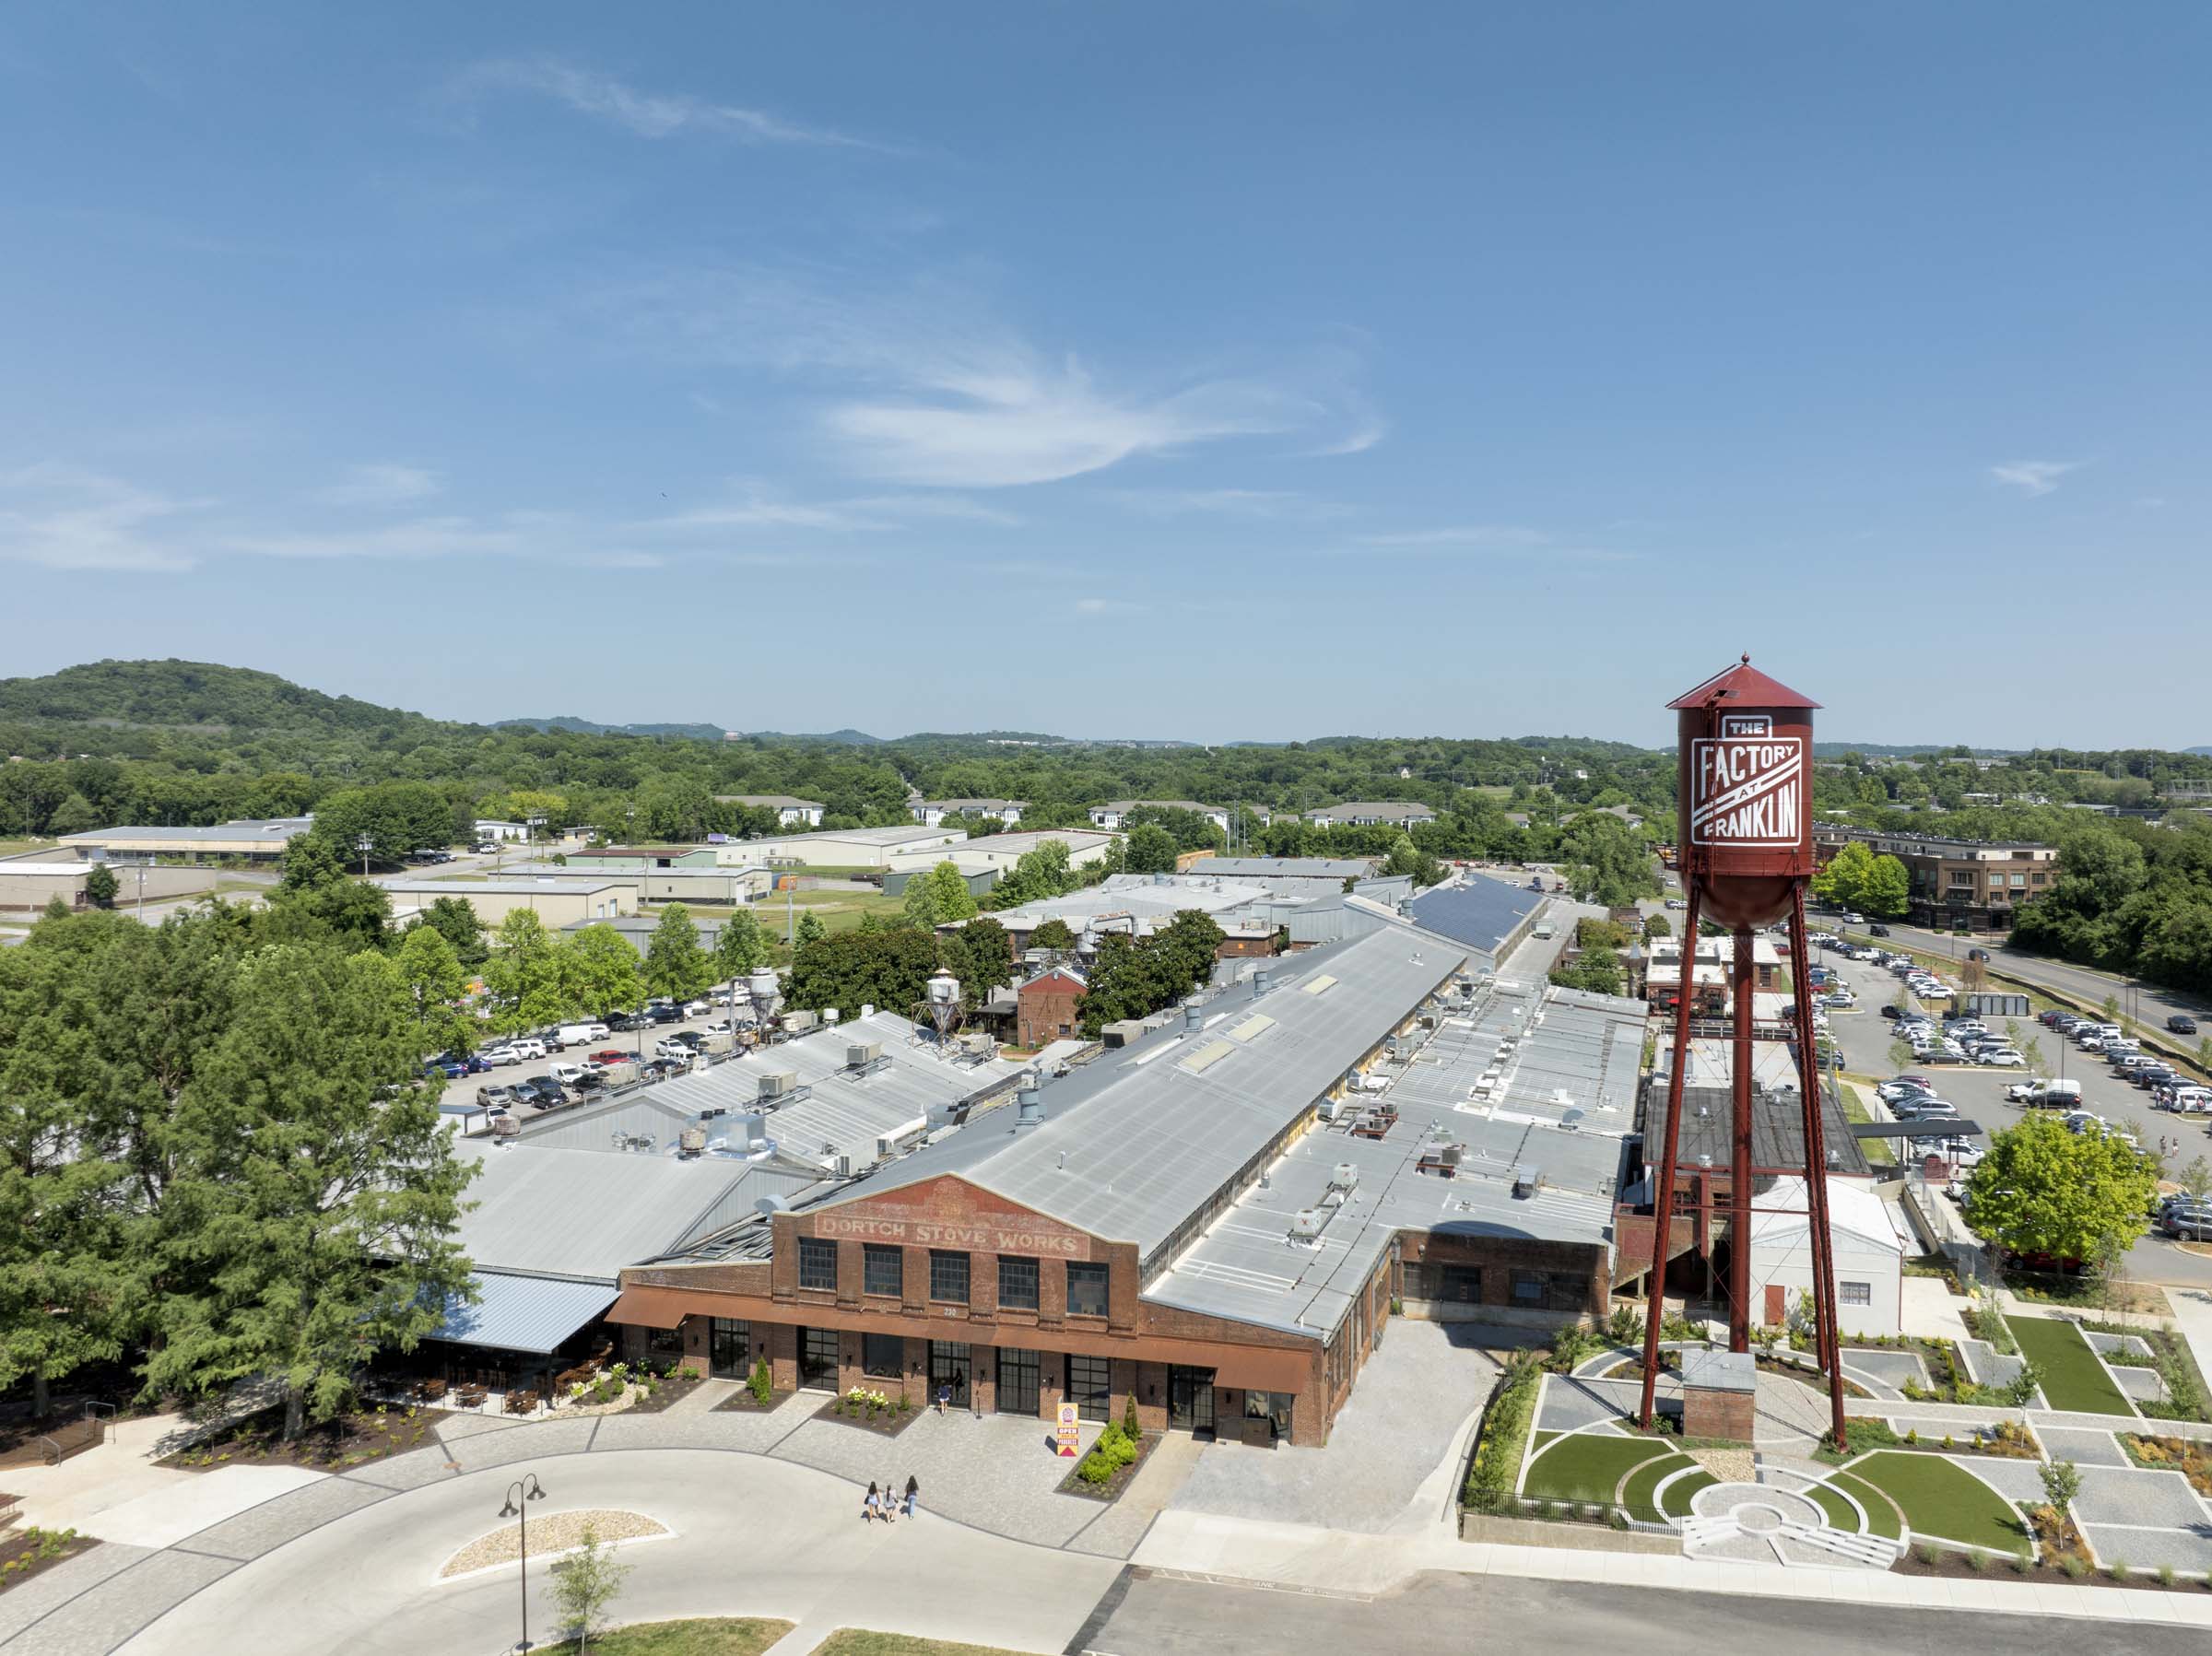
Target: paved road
x=1864 y=1038
x=1438 y=1614
x=2139 y=1000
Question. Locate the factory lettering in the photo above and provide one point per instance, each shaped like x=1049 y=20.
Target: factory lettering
x=1747 y=790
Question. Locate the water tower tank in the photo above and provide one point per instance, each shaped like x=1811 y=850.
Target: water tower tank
x=1745 y=794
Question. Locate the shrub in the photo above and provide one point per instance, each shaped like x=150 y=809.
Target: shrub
x=2117 y=1569
x=1129 y=1426
x=763 y=1382
x=2021 y=1564
x=1926 y=1553
x=2075 y=1566
x=1625 y=1327
x=1496 y=1464
x=2165 y=1575
x=1977 y=1560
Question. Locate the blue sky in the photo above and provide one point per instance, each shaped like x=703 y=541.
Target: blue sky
x=1213 y=372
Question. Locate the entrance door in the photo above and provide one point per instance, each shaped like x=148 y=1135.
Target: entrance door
x=1018 y=1391
x=1191 y=1399
x=948 y=1365
x=817 y=1359
x=729 y=1344
x=1775 y=1312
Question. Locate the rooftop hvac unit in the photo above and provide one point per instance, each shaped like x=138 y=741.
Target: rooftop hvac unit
x=979 y=1043
x=505 y=1126
x=859 y=1054
x=841 y=1165
x=1330 y=1109
x=799 y=1023
x=1027 y=1081
x=1029 y=1113
x=1262 y=980
x=1345 y=1177
x=1193 y=1013
x=1306 y=1225
x=1526 y=1182
x=692 y=1141
x=749 y=1131
x=832 y=1016
x=944 y=988
x=776 y=1083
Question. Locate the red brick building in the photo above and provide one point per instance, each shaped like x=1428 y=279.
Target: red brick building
x=1045 y=1006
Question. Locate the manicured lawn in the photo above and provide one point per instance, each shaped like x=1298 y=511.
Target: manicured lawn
x=1586 y=1468
x=1855 y=1109
x=1684 y=1490
x=1881 y=1515
x=1641 y=1492
x=1941 y=1499
x=2072 y=1378
x=1839 y=1515
x=709 y=1636
x=853 y=1641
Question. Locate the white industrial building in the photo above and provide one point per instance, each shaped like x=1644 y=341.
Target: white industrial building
x=995 y=853
x=837 y=847
x=1870 y=1250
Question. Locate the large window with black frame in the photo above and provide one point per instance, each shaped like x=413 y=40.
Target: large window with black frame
x=1086 y=1289
x=882 y=1269
x=1019 y=1374
x=1090 y=1387
x=817 y=1359
x=1017 y=1282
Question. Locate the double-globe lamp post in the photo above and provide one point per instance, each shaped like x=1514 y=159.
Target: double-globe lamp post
x=520 y=1493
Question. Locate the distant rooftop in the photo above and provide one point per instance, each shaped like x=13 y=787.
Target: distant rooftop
x=245 y=828
x=1482 y=913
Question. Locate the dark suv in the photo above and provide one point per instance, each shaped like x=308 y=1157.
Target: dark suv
x=2182 y=1023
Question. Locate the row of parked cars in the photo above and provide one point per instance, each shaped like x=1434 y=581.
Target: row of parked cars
x=2170 y=1090
x=1913 y=1100
x=1961 y=1040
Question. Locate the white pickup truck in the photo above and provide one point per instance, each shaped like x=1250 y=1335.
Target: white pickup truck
x=2045 y=1093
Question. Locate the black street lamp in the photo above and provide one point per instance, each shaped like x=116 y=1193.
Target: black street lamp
x=520 y=1493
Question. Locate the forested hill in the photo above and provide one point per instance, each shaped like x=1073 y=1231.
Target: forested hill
x=190 y=695
x=589 y=727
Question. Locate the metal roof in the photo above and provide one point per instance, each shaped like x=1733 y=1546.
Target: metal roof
x=1572 y=1051
x=1131 y=1149
x=244 y=828
x=1743 y=685
x=1334 y=868
x=1482 y=913
x=560 y=887
x=524 y=1314
x=584 y=1214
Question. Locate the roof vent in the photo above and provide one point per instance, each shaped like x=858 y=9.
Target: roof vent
x=767 y=1206
x=1345 y=1177
x=1305 y=1225
x=1029 y=1113
x=1262 y=980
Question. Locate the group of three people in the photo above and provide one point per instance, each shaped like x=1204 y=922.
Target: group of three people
x=883 y=1503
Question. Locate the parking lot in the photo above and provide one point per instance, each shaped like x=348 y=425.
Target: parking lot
x=462 y=1093
x=1864 y=1036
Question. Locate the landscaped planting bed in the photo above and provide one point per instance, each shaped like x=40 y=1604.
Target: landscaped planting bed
x=1940 y=1501
x=655 y=1392
x=710 y=1635
x=2188 y=1456
x=2011 y=1442
x=1107 y=1467
x=2186 y=1397
x=2073 y=1377
x=885 y=1414
x=350 y=1439
x=25 y=1552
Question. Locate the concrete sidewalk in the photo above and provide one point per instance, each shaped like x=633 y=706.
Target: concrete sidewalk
x=1348 y=1562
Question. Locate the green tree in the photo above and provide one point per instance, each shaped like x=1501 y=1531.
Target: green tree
x=741 y=946
x=2195 y=1179
x=455 y=919
x=1054 y=934
x=938 y=896
x=1887 y=893
x=317 y=1192
x=522 y=975
x=852 y=969
x=1043 y=872
x=1657 y=925
x=2044 y=1189
x=433 y=981
x=1608 y=861
x=600 y=971
x=1151 y=849
x=585 y=1584
x=74 y=814
x=675 y=965
x=100 y=885
x=810 y=928
x=981 y=956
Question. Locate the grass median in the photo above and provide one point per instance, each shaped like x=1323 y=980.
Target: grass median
x=706 y=1636
x=1943 y=1502
x=2073 y=1377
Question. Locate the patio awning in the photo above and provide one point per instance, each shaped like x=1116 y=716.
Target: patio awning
x=652 y=1308
x=524 y=1314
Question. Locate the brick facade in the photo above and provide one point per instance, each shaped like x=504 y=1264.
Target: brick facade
x=1045 y=1008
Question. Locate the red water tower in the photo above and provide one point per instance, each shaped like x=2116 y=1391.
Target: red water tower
x=1744 y=831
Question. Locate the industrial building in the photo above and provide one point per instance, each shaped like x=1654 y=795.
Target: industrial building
x=790 y=812
x=627 y=857
x=497 y=831
x=247 y=840
x=837 y=847
x=929 y=812
x=27 y=885
x=725 y=886
x=1969 y=883
x=1212 y=1221
x=1710 y=977
x=995 y=853
x=1871 y=1247
x=559 y=902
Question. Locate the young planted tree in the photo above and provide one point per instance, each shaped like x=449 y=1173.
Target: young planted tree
x=600 y=971
x=585 y=1584
x=810 y=929
x=100 y=885
x=938 y=896
x=676 y=966
x=310 y=1219
x=523 y=975
x=433 y=981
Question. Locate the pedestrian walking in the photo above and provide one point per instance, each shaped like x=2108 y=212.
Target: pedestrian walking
x=944 y=1396
x=869 y=1507
x=913 y=1494
x=890 y=1501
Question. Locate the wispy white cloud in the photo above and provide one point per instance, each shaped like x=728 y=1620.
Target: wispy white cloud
x=2033 y=477
x=1516 y=539
x=647 y=114
x=1107 y=606
x=1231 y=502
x=68 y=516
x=1508 y=535
x=381 y=485
x=759 y=508
x=416 y=537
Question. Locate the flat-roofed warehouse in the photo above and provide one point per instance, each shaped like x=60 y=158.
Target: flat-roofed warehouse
x=837 y=847
x=673 y=885
x=1214 y=1220
x=558 y=902
x=27 y=884
x=247 y=840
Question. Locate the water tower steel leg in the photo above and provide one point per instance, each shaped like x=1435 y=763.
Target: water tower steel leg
x=1740 y=981
x=1662 y=1187
x=1828 y=1333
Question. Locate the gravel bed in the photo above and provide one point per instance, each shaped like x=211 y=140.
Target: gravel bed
x=556 y=1533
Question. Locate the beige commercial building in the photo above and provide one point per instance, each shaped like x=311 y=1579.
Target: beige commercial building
x=995 y=853
x=249 y=840
x=837 y=847
x=27 y=887
x=724 y=887
x=558 y=902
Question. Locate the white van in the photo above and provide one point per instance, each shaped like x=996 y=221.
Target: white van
x=576 y=1035
x=2046 y=1094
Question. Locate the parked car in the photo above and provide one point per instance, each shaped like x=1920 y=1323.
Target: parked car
x=693 y=1039
x=541 y=1091
x=698 y=1008
x=526 y=1047
x=568 y=1074
x=607 y=1055
x=497 y=1097
x=673 y=1049
x=664 y=1015
x=624 y=1023
x=502 y=1055
x=2189 y=1219
x=486 y=848
x=2181 y=1023
x=2004 y=1058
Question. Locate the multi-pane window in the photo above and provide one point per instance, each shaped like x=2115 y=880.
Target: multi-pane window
x=1090 y=1388
x=881 y=1269
x=948 y=1275
x=817 y=1263
x=1016 y=1283
x=1086 y=1290
x=1855 y=1293
x=882 y=1356
x=1528 y=1288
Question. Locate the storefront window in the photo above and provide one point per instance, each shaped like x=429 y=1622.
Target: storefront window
x=882 y=1356
x=1272 y=1406
x=1090 y=1387
x=664 y=1342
